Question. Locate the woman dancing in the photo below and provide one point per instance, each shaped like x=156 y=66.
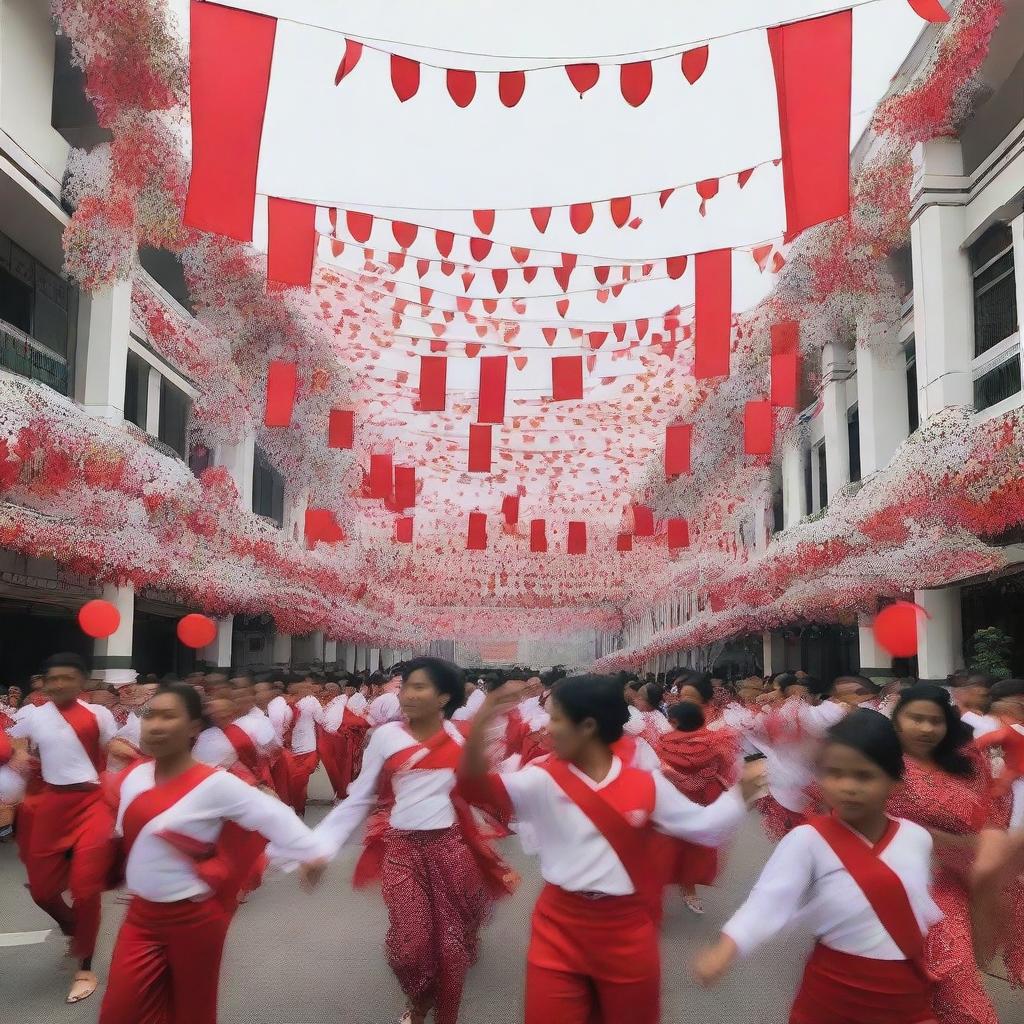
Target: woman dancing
x=438 y=876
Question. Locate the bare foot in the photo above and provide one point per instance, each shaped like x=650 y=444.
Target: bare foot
x=82 y=987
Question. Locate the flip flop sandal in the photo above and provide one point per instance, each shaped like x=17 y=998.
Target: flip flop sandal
x=83 y=986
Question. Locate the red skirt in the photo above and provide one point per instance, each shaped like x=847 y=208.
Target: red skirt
x=694 y=864
x=778 y=821
x=839 y=988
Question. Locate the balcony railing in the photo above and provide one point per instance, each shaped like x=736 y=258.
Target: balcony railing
x=25 y=356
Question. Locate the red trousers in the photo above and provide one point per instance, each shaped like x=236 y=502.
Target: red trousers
x=70 y=849
x=300 y=770
x=838 y=988
x=166 y=964
x=281 y=777
x=592 y=961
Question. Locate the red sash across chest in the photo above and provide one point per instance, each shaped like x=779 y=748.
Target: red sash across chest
x=87 y=729
x=247 y=752
x=146 y=806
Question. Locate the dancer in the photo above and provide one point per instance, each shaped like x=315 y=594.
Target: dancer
x=593 y=954
x=437 y=875
x=860 y=880
x=67 y=845
x=946 y=789
x=299 y=741
x=165 y=967
x=701 y=764
x=648 y=704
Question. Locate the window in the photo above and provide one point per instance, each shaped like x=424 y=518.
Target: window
x=822 y=476
x=168 y=271
x=778 y=507
x=71 y=113
x=267 y=489
x=853 y=433
x=174 y=411
x=1000 y=382
x=913 y=415
x=995 y=297
x=136 y=390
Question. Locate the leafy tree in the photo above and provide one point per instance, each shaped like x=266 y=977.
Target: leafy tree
x=991 y=652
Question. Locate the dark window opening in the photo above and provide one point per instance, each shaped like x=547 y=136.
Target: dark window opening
x=913 y=412
x=999 y=383
x=200 y=458
x=822 y=477
x=808 y=482
x=995 y=291
x=166 y=269
x=853 y=434
x=903 y=271
x=174 y=411
x=267 y=489
x=71 y=113
x=136 y=390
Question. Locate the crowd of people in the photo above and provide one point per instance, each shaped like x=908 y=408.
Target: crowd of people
x=898 y=814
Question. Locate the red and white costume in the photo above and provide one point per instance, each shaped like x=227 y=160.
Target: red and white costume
x=471 y=707
x=438 y=877
x=341 y=743
x=869 y=906
x=295 y=727
x=166 y=962
x=593 y=954
x=67 y=842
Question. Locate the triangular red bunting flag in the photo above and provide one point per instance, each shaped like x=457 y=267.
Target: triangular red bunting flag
x=678 y=437
x=635 y=82
x=620 y=331
x=444 y=240
x=757 y=428
x=484 y=220
x=597 y=338
x=479 y=448
x=577 y=540
x=538 y=536
x=675 y=267
x=620 y=209
x=480 y=247
x=583 y=76
x=405 y=77
x=566 y=378
x=641 y=328
x=713 y=316
x=562 y=276
x=461 y=86
x=433 y=383
x=550 y=333
x=403 y=530
x=340 y=428
x=476 y=538
x=562 y=305
x=493 y=373
x=320 y=525
x=581 y=216
x=930 y=10
x=785 y=365
x=694 y=63
x=510 y=509
x=511 y=86
x=601 y=274
x=529 y=273
x=678 y=533
x=520 y=255
x=541 y=215
x=281 y=387
x=500 y=278
x=405 y=234
x=360 y=225
x=665 y=196
x=353 y=51
x=744 y=176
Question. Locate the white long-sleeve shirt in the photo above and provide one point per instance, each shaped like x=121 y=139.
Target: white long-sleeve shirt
x=576 y=856
x=158 y=872
x=258 y=727
x=334 y=713
x=422 y=795
x=804 y=880
x=213 y=747
x=471 y=707
x=358 y=703
x=63 y=758
x=384 y=709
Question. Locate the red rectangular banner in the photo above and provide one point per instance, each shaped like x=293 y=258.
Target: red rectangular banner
x=281 y=388
x=677 y=449
x=433 y=383
x=566 y=378
x=479 y=448
x=341 y=428
x=493 y=371
x=713 y=314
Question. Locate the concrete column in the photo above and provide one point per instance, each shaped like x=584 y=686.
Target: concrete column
x=350 y=657
x=875 y=661
x=238 y=459
x=939 y=634
x=835 y=368
x=374 y=659
x=107 y=318
x=112 y=655
x=331 y=654
x=816 y=479
x=943 y=295
x=881 y=397
x=316 y=648
x=219 y=654
x=153 y=402
x=282 y=649
x=774 y=647
x=1017 y=230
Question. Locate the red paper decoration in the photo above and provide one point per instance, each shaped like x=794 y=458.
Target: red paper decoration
x=678 y=437
x=403 y=530
x=476 y=538
x=320 y=525
x=583 y=76
x=353 y=51
x=757 y=428
x=405 y=77
x=461 y=86
x=643 y=521
x=291 y=242
x=678 y=533
x=566 y=378
x=624 y=542
x=576 y=543
x=635 y=82
x=340 y=428
x=484 y=220
x=433 y=383
x=713 y=314
x=479 y=448
x=581 y=216
x=694 y=63
x=930 y=10
x=785 y=365
x=510 y=509
x=360 y=225
x=541 y=215
x=381 y=476
x=896 y=628
x=493 y=374
x=405 y=487
x=538 y=536
x=281 y=387
x=196 y=630
x=511 y=86
x=620 y=210
x=404 y=234
x=98 y=619
x=675 y=267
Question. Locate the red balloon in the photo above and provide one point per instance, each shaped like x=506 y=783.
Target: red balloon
x=197 y=630
x=896 y=628
x=98 y=619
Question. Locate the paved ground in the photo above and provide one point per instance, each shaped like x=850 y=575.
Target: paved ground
x=296 y=959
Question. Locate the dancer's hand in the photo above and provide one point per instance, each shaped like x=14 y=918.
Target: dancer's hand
x=500 y=699
x=711 y=963
x=753 y=781
x=311 y=872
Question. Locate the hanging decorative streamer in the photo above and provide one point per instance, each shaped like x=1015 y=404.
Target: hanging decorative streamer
x=678 y=533
x=713 y=314
x=566 y=378
x=291 y=242
x=403 y=530
x=433 y=383
x=678 y=437
x=341 y=428
x=281 y=388
x=476 y=538
x=405 y=487
x=510 y=509
x=757 y=428
x=576 y=543
x=538 y=536
x=479 y=448
x=624 y=542
x=643 y=521
x=785 y=368
x=321 y=525
x=493 y=371
x=381 y=476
